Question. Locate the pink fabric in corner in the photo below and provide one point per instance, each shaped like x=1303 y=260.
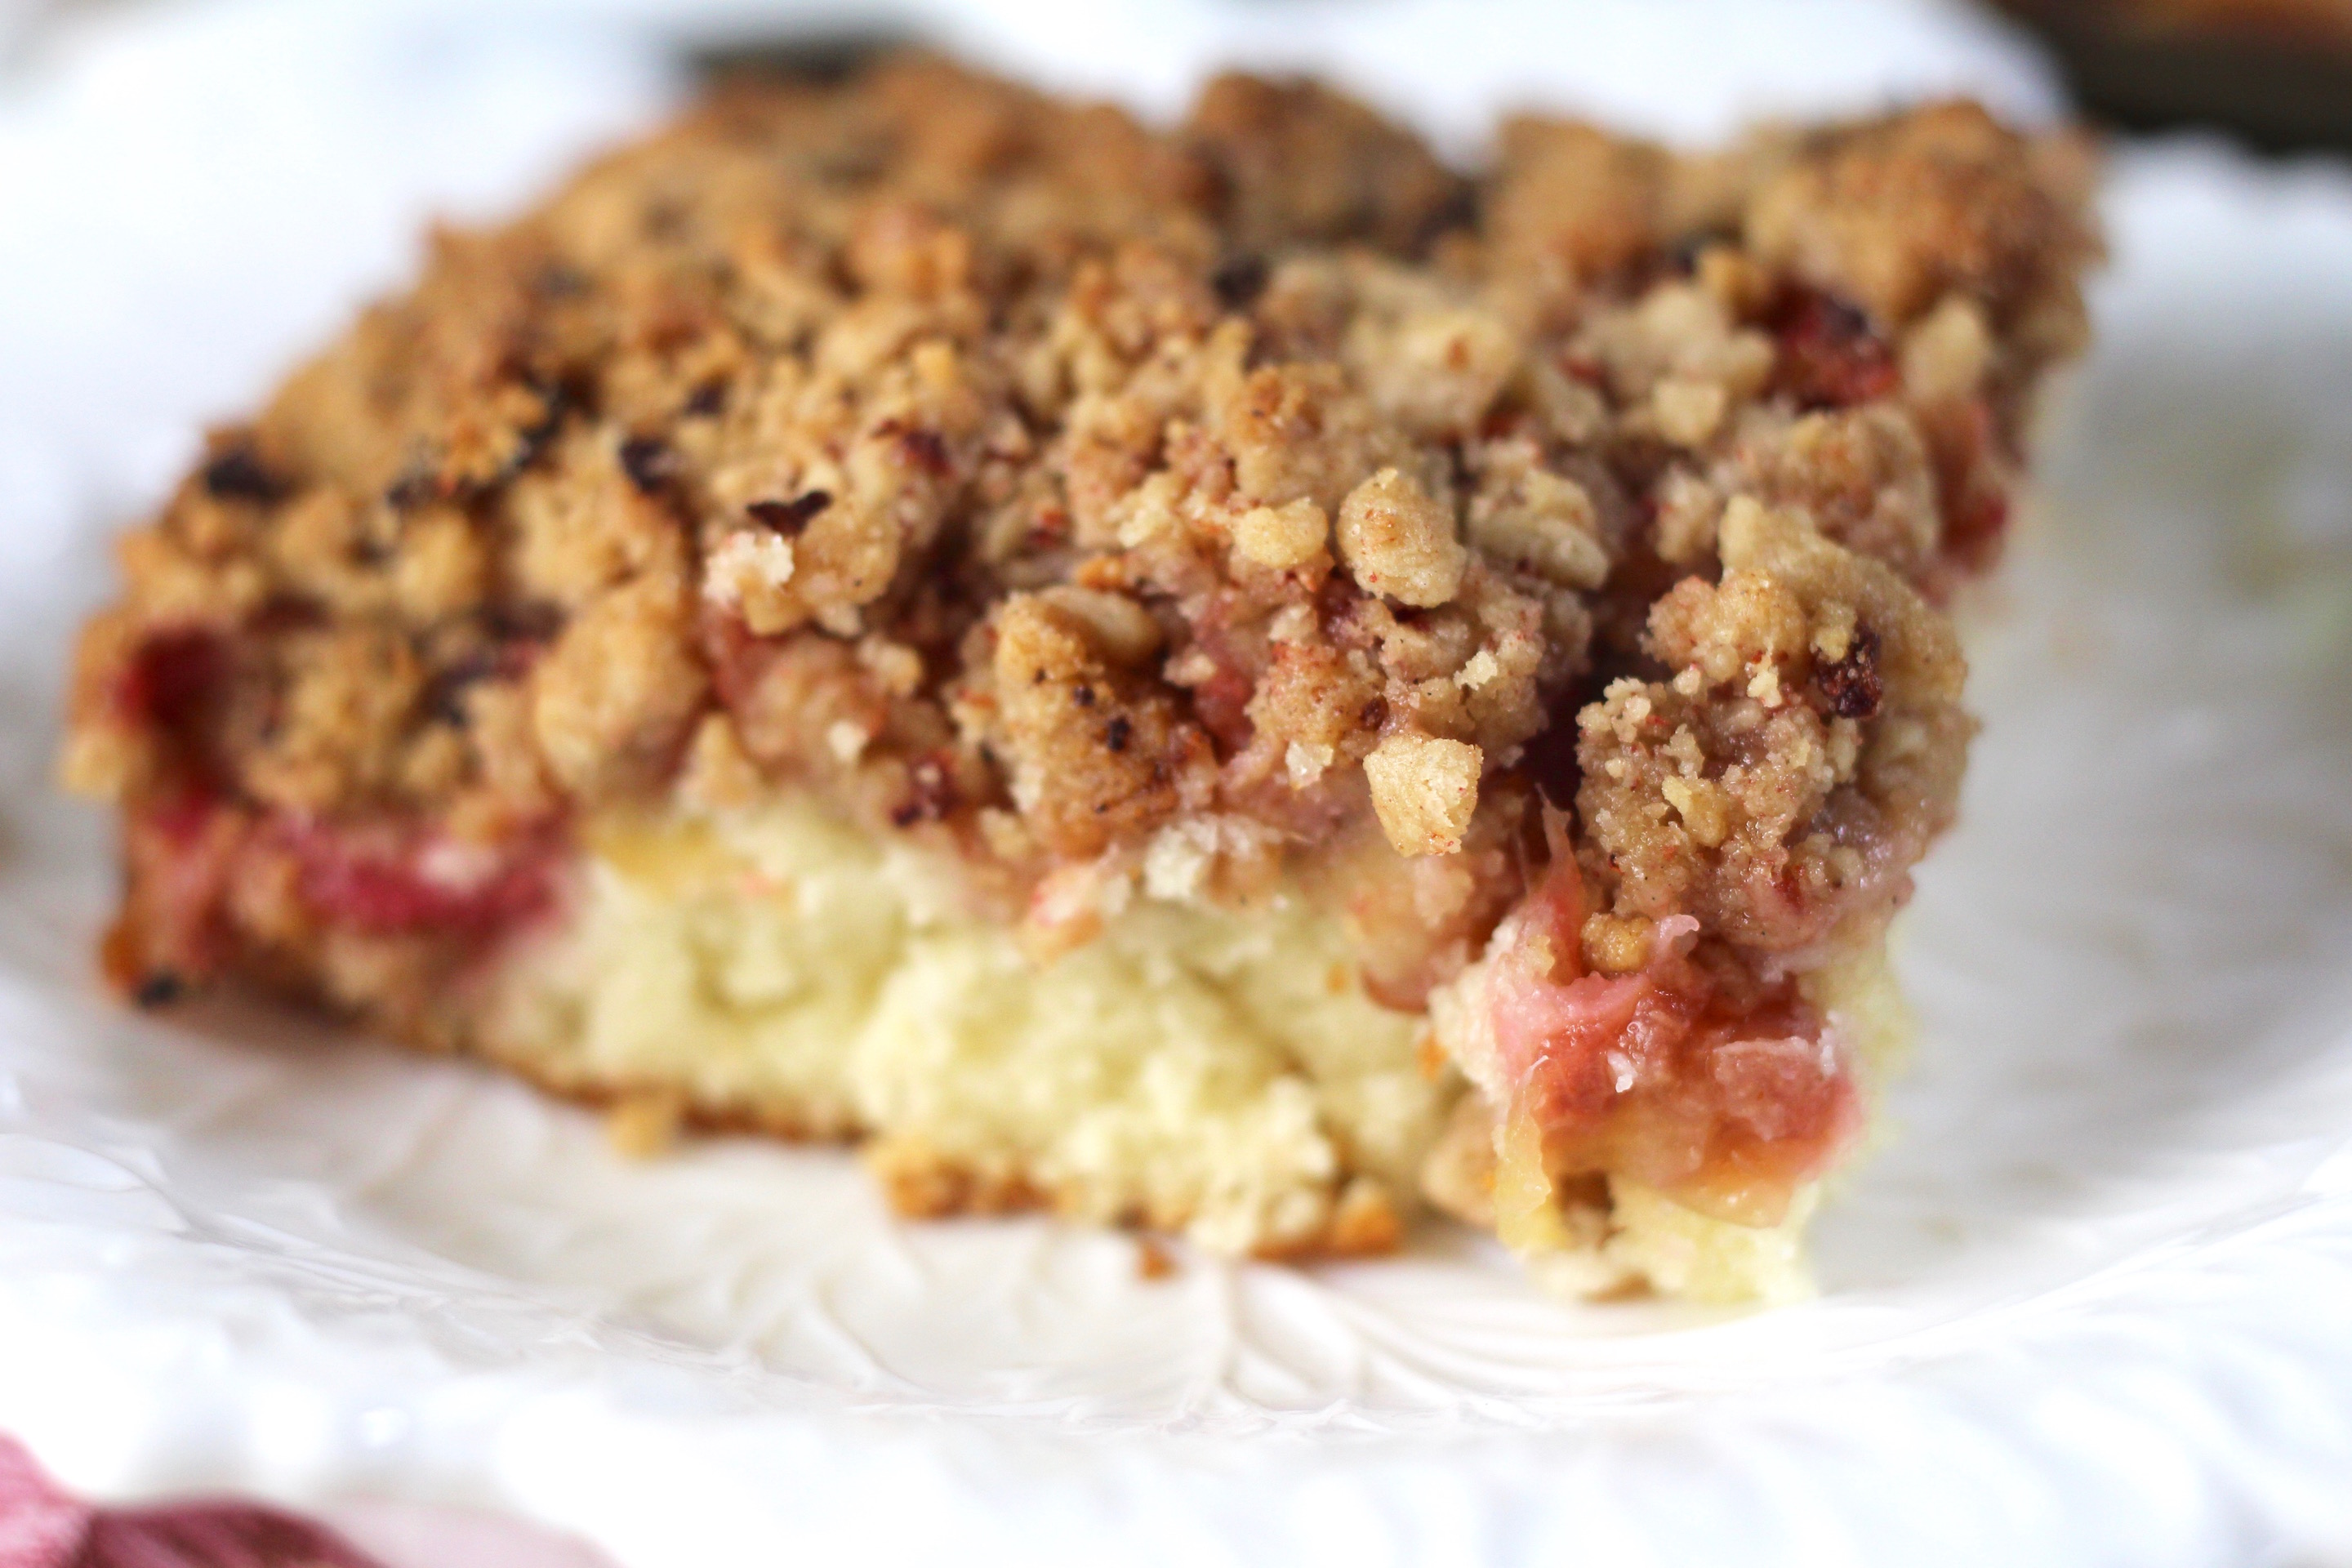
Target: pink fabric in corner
x=42 y=1526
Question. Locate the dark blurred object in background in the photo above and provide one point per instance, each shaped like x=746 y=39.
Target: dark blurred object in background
x=2276 y=72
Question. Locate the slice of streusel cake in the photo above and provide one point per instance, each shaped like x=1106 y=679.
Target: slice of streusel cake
x=1228 y=680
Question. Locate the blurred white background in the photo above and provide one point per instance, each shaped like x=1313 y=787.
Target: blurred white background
x=2090 y=1310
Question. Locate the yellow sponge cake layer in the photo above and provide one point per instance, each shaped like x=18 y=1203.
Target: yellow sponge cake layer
x=1216 y=1072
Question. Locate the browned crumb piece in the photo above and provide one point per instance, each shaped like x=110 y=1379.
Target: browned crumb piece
x=1898 y=216
x=1806 y=748
x=642 y=1126
x=1571 y=204
x=1092 y=758
x=920 y=1184
x=1298 y=162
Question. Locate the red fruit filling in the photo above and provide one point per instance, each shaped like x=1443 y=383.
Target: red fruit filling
x=190 y=850
x=1965 y=444
x=386 y=877
x=1660 y=1077
x=1830 y=357
x=173 y=673
x=180 y=850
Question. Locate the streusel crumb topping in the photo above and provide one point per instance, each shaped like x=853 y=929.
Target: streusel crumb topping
x=1109 y=506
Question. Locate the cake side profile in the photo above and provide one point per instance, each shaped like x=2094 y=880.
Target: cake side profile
x=1232 y=679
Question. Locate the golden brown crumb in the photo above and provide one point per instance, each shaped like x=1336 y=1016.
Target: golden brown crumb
x=1364 y=1223
x=1574 y=199
x=921 y=1184
x=1093 y=757
x=1426 y=792
x=642 y=1126
x=1281 y=536
x=1300 y=162
x=1399 y=542
x=1153 y=1260
x=1768 y=790
x=1898 y=215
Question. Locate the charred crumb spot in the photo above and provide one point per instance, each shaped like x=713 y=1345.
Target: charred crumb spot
x=559 y=280
x=1853 y=684
x=529 y=620
x=825 y=59
x=419 y=486
x=240 y=474
x=159 y=988
x=923 y=448
x=1118 y=732
x=1374 y=714
x=444 y=699
x=1361 y=218
x=1682 y=258
x=445 y=694
x=1210 y=183
x=649 y=463
x=1836 y=319
x=662 y=219
x=932 y=795
x=705 y=400
x=849 y=167
x=1085 y=696
x=1239 y=279
x=534 y=441
x=790 y=516
x=1458 y=211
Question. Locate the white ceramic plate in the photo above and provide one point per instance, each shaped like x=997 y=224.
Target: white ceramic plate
x=2093 y=1304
